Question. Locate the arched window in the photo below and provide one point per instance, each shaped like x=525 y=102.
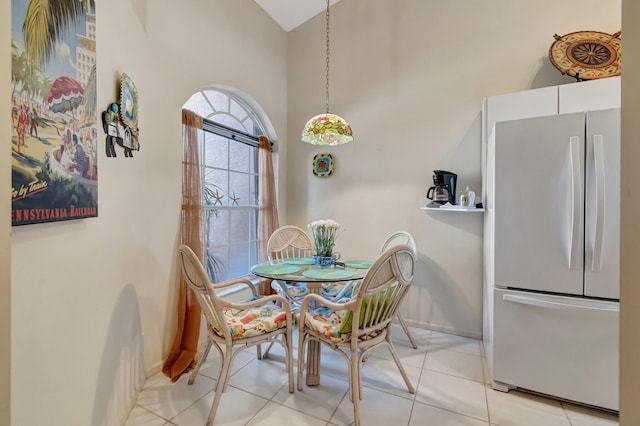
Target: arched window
x=229 y=158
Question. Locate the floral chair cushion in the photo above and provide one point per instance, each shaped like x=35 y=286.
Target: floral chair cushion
x=254 y=321
x=326 y=322
x=298 y=290
x=332 y=289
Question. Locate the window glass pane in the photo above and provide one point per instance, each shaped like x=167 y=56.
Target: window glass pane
x=216 y=151
x=238 y=111
x=218 y=228
x=239 y=226
x=199 y=104
x=217 y=261
x=239 y=189
x=229 y=121
x=216 y=187
x=239 y=157
x=219 y=100
x=239 y=260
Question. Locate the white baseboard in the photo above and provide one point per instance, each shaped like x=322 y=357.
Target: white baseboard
x=443 y=329
x=154 y=369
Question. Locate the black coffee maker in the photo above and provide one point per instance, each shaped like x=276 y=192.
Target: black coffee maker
x=444 y=187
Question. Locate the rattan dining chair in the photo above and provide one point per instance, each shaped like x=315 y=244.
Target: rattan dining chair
x=397 y=238
x=357 y=327
x=288 y=242
x=233 y=327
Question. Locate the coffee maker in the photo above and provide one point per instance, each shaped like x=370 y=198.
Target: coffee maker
x=444 y=187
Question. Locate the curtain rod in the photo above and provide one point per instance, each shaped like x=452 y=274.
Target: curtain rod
x=231 y=133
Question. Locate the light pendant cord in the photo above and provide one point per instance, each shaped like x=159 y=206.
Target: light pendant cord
x=327 y=85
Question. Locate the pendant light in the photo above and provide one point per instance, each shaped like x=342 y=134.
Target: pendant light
x=327 y=128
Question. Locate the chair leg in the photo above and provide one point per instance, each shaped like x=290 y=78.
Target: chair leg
x=406 y=330
x=301 y=348
x=400 y=367
x=356 y=393
x=203 y=358
x=288 y=340
x=266 y=353
x=221 y=384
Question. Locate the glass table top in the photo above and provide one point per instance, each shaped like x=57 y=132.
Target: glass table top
x=301 y=270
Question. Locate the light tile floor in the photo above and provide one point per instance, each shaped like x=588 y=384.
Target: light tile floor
x=449 y=373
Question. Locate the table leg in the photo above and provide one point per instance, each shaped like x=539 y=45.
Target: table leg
x=313 y=363
x=313 y=350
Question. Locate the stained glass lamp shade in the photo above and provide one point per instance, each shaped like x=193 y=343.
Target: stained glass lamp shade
x=327 y=129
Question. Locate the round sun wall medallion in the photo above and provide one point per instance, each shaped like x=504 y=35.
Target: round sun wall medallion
x=587 y=55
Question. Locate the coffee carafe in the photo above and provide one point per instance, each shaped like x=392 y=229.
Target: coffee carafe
x=444 y=187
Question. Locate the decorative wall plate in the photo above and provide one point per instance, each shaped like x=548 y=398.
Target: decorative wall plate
x=323 y=165
x=587 y=55
x=128 y=101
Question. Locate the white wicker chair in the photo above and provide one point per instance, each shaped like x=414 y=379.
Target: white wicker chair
x=231 y=327
x=288 y=242
x=356 y=327
x=397 y=238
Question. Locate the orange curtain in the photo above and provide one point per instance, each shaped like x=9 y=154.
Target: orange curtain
x=182 y=354
x=268 y=209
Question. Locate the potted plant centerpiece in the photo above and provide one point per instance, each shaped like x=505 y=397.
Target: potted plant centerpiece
x=324 y=238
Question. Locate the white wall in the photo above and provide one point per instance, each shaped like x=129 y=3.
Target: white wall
x=93 y=301
x=630 y=218
x=410 y=77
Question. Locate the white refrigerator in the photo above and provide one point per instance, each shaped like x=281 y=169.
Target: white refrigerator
x=553 y=190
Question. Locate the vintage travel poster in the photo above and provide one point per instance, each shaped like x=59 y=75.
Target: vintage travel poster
x=53 y=114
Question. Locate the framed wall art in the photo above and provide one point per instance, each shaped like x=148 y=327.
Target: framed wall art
x=53 y=112
x=323 y=165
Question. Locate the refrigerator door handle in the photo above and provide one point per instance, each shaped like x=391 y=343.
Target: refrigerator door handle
x=576 y=197
x=555 y=305
x=598 y=158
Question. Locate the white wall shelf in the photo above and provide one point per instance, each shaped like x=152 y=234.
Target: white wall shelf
x=453 y=209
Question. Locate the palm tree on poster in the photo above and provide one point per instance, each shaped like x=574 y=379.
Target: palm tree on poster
x=45 y=23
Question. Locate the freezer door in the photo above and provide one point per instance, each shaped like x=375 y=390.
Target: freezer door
x=539 y=203
x=602 y=201
x=561 y=346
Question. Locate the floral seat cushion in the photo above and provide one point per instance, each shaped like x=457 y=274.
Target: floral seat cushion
x=327 y=323
x=298 y=290
x=255 y=321
x=332 y=289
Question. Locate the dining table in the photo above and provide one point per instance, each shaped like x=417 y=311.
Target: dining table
x=317 y=279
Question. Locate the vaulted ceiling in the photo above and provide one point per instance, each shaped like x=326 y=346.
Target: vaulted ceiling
x=291 y=13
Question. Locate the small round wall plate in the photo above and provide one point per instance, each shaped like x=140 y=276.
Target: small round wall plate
x=587 y=55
